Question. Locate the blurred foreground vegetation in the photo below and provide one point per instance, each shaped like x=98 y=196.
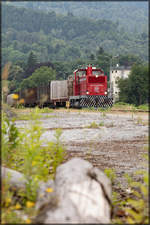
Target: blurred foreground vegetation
x=23 y=150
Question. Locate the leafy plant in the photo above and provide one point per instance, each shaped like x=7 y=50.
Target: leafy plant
x=101 y=123
x=10 y=139
x=136 y=207
x=93 y=125
x=110 y=174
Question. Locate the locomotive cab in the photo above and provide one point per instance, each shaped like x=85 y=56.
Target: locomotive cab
x=91 y=82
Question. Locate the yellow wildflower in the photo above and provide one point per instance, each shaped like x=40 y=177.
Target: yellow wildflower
x=15 y=96
x=7 y=201
x=28 y=221
x=21 y=101
x=18 y=206
x=30 y=204
x=34 y=163
x=49 y=190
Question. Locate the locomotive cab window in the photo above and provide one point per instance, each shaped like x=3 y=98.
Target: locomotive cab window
x=93 y=79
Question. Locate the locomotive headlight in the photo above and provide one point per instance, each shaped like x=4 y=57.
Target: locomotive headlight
x=87 y=92
x=105 y=92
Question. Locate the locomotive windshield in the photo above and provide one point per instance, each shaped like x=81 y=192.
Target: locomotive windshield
x=93 y=79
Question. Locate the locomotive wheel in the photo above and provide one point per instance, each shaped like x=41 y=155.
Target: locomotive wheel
x=77 y=104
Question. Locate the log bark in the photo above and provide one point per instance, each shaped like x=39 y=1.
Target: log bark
x=81 y=194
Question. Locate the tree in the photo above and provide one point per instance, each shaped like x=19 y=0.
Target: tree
x=30 y=66
x=134 y=89
x=103 y=61
x=15 y=77
x=92 y=57
x=15 y=73
x=40 y=77
x=100 y=51
x=32 y=60
x=129 y=60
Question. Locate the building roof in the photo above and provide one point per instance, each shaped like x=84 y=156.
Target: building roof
x=120 y=68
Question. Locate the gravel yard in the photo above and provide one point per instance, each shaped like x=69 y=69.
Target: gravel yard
x=115 y=140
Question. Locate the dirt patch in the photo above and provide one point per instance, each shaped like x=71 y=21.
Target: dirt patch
x=122 y=156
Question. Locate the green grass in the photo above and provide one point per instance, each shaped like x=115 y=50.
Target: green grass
x=134 y=203
x=144 y=107
x=46 y=110
x=101 y=124
x=126 y=106
x=95 y=125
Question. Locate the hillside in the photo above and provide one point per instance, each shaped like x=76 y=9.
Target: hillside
x=58 y=37
x=133 y=16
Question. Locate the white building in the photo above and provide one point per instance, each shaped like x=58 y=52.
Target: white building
x=116 y=73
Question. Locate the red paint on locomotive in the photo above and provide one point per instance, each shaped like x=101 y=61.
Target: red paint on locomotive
x=92 y=81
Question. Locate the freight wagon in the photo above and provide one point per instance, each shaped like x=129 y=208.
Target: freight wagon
x=88 y=88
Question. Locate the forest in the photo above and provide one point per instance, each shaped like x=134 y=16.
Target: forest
x=133 y=16
x=56 y=37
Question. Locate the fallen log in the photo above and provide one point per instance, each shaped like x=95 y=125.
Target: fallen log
x=80 y=193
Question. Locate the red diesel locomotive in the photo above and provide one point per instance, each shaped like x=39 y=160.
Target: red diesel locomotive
x=90 y=88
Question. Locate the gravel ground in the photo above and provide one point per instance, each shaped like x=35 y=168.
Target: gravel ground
x=119 y=142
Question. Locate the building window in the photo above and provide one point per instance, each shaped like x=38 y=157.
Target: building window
x=116 y=71
x=112 y=71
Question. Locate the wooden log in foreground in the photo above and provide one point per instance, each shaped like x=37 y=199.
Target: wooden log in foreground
x=81 y=194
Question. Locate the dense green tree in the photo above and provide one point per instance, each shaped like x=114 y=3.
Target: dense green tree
x=92 y=57
x=32 y=60
x=123 y=85
x=103 y=60
x=30 y=65
x=128 y=60
x=100 y=51
x=135 y=88
x=15 y=77
x=15 y=73
x=41 y=76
